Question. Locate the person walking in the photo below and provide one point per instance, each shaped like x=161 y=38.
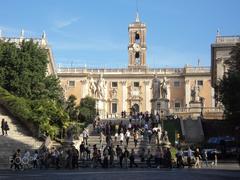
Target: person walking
x=149 y=158
x=135 y=137
x=2 y=126
x=35 y=159
x=189 y=157
x=126 y=156
x=132 y=159
x=121 y=138
x=6 y=127
x=197 y=157
x=127 y=137
x=179 y=156
x=85 y=136
x=205 y=157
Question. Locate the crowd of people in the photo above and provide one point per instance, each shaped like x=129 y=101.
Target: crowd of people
x=150 y=148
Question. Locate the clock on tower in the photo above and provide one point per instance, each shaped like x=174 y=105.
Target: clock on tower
x=137 y=44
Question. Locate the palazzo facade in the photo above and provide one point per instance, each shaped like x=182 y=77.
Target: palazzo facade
x=131 y=88
x=136 y=87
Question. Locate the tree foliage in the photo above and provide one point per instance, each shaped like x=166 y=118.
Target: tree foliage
x=71 y=107
x=229 y=86
x=23 y=71
x=26 y=91
x=87 y=110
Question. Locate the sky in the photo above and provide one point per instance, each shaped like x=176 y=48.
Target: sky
x=95 y=32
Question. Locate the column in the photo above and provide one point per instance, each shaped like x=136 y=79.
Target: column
x=147 y=96
x=187 y=92
x=124 y=95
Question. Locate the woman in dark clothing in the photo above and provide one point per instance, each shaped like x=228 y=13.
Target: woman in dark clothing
x=2 y=126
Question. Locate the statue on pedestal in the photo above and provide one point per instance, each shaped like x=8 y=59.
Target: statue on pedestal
x=164 y=88
x=155 y=87
x=100 y=91
x=92 y=88
x=195 y=93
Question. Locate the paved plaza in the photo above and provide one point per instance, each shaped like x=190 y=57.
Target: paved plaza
x=224 y=171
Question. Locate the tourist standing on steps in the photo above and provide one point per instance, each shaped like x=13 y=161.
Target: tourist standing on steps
x=6 y=127
x=126 y=156
x=2 y=126
x=35 y=159
x=121 y=138
x=135 y=137
x=132 y=159
x=101 y=139
x=127 y=137
x=85 y=136
x=82 y=150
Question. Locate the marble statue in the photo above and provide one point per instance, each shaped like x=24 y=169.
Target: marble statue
x=100 y=91
x=155 y=87
x=92 y=87
x=195 y=93
x=164 y=88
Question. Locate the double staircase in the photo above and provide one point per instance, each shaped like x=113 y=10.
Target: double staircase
x=18 y=138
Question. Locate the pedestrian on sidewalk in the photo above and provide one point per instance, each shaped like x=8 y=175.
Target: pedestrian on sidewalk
x=2 y=126
x=197 y=157
x=205 y=157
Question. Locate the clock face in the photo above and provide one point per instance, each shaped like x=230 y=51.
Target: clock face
x=136 y=47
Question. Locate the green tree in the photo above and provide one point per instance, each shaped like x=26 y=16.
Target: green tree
x=71 y=107
x=23 y=71
x=229 y=88
x=87 y=109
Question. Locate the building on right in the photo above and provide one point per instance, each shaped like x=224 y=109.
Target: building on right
x=220 y=52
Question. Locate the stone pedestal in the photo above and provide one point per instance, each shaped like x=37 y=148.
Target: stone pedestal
x=67 y=144
x=195 y=109
x=160 y=106
x=100 y=107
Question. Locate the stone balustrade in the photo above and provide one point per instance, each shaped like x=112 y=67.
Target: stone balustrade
x=227 y=39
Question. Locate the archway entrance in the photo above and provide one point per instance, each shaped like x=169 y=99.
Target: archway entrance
x=135 y=108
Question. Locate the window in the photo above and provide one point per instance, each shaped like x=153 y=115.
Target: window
x=200 y=82
x=176 y=83
x=136 y=84
x=71 y=83
x=114 y=84
x=114 y=108
x=177 y=105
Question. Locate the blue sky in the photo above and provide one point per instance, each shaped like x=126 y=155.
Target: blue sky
x=95 y=32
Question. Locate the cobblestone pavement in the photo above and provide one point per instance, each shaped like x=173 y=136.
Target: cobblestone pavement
x=230 y=171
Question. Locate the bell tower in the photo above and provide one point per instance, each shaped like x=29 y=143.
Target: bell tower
x=137 y=44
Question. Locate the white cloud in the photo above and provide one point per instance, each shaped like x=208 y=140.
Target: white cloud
x=64 y=23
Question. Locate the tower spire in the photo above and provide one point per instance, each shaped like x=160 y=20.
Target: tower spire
x=137 y=14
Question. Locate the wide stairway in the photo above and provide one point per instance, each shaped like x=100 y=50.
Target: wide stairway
x=18 y=138
x=143 y=142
